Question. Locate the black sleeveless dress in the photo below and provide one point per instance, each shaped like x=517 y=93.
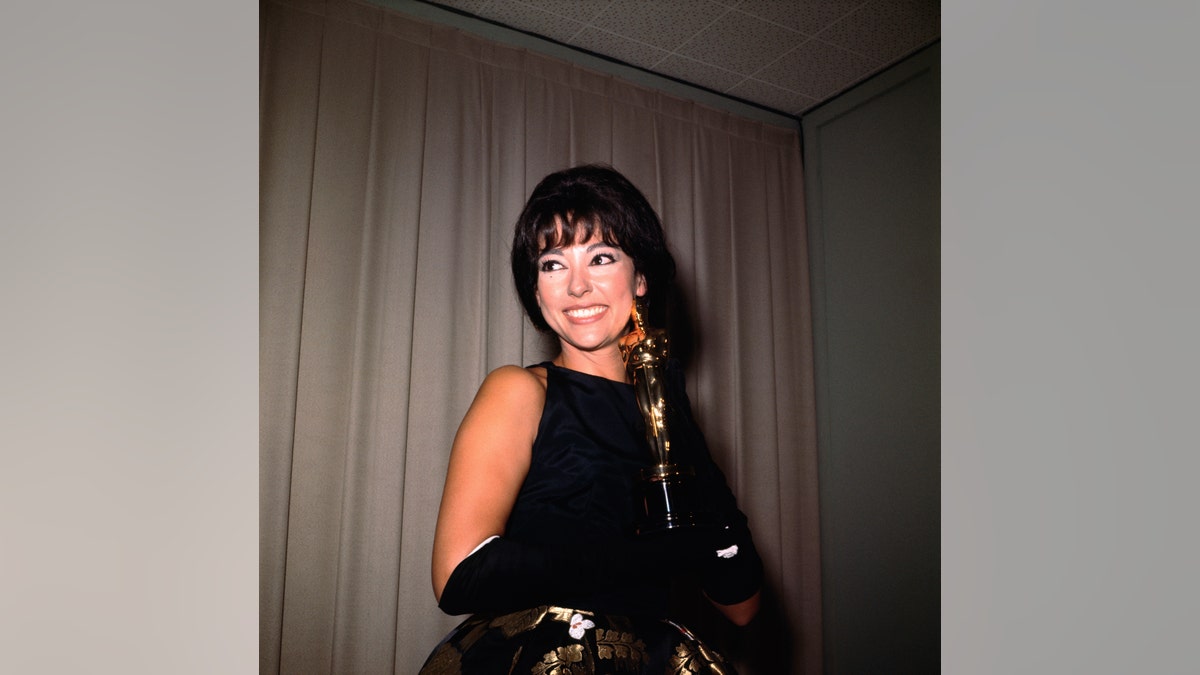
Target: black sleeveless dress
x=580 y=488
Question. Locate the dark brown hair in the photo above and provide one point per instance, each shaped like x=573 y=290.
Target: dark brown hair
x=587 y=199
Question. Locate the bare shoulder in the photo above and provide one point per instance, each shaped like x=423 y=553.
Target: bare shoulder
x=516 y=381
x=510 y=394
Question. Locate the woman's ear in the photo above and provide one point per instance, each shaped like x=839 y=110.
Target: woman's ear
x=641 y=284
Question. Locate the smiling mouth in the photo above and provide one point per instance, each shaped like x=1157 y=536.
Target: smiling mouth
x=585 y=313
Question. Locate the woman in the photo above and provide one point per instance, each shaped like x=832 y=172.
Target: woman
x=535 y=534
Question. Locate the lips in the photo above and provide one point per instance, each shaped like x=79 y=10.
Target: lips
x=584 y=313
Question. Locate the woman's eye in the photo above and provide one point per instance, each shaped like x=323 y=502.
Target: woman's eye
x=550 y=265
x=604 y=259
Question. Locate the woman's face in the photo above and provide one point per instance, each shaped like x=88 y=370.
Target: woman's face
x=585 y=291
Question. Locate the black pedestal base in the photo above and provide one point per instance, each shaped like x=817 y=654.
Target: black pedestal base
x=669 y=501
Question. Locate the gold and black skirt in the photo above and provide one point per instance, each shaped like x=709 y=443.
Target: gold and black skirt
x=560 y=641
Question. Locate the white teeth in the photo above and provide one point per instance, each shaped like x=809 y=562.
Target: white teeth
x=584 y=313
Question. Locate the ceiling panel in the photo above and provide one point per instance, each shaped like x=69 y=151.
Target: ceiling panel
x=784 y=55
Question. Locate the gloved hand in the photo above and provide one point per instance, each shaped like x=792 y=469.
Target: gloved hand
x=732 y=569
x=721 y=559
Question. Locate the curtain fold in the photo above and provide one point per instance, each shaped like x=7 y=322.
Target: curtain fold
x=395 y=158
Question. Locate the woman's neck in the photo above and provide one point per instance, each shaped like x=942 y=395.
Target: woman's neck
x=606 y=363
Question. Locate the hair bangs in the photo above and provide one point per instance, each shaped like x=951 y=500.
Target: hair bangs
x=563 y=229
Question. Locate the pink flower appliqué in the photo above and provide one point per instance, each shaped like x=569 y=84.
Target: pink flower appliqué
x=579 y=625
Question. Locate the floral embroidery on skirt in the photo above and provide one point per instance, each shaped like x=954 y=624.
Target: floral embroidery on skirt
x=559 y=641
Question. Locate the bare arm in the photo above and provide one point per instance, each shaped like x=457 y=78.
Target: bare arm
x=488 y=462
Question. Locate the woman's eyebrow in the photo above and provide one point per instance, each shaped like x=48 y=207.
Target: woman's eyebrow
x=589 y=249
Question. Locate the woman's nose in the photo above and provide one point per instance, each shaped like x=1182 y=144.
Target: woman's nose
x=579 y=284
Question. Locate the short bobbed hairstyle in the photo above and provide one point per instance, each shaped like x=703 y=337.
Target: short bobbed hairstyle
x=587 y=199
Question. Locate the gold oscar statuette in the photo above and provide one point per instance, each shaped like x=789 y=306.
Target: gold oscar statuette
x=665 y=487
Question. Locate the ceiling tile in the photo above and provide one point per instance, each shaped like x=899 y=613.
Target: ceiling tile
x=617 y=47
x=817 y=69
x=741 y=43
x=532 y=19
x=580 y=10
x=711 y=77
x=773 y=97
x=472 y=6
x=808 y=16
x=788 y=55
x=664 y=23
x=887 y=31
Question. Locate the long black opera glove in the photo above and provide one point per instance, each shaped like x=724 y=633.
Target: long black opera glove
x=504 y=575
x=728 y=566
x=721 y=560
x=733 y=571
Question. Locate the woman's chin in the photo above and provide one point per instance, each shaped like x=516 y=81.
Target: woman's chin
x=588 y=343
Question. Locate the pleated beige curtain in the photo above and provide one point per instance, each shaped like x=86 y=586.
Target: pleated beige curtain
x=395 y=157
